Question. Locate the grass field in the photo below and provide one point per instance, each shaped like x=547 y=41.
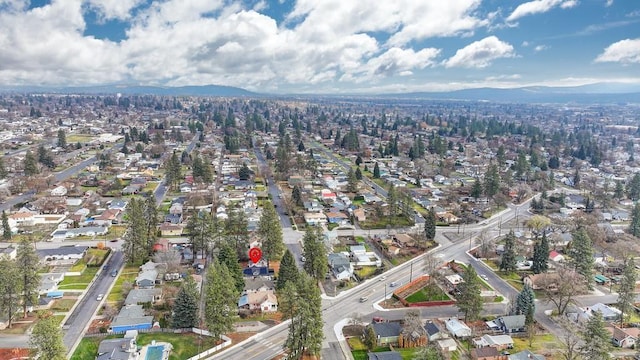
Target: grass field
x=128 y=274
x=63 y=305
x=427 y=293
x=78 y=282
x=97 y=256
x=184 y=345
x=74 y=138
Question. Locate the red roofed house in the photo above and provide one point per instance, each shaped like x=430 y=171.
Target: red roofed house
x=555 y=256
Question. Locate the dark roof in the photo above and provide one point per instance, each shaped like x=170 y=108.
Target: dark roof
x=387 y=329
x=62 y=250
x=385 y=355
x=512 y=321
x=486 y=351
x=431 y=328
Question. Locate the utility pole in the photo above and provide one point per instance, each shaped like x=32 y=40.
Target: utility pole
x=410 y=274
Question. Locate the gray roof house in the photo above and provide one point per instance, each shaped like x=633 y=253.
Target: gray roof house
x=457 y=328
x=434 y=332
x=384 y=355
x=525 y=355
x=142 y=296
x=340 y=266
x=387 y=332
x=511 y=323
x=118 y=349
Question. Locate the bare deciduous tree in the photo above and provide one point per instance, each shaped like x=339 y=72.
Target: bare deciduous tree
x=560 y=287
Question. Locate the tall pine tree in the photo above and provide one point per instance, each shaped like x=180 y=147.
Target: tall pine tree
x=508 y=261
x=596 y=339
x=525 y=304
x=469 y=300
x=626 y=292
x=221 y=297
x=185 y=308
x=28 y=266
x=581 y=253
x=541 y=255
x=288 y=271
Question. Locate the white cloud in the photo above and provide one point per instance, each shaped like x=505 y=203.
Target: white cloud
x=538 y=7
x=114 y=9
x=525 y=43
x=624 y=51
x=609 y=3
x=511 y=77
x=481 y=53
x=395 y=61
x=540 y=48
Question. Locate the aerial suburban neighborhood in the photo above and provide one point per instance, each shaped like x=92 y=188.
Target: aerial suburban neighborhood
x=387 y=229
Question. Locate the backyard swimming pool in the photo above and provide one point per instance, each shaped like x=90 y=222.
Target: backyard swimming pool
x=155 y=352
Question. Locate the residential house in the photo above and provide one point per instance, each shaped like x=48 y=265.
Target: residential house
x=49 y=282
x=149 y=275
x=143 y=296
x=384 y=355
x=168 y=229
x=340 y=266
x=359 y=215
x=525 y=355
x=173 y=218
x=315 y=218
x=608 y=313
x=487 y=353
x=434 y=332
x=59 y=191
x=62 y=253
x=499 y=342
x=176 y=209
x=387 y=332
x=10 y=252
x=258 y=284
x=555 y=256
x=457 y=328
x=131 y=317
x=339 y=218
x=511 y=323
x=264 y=301
x=624 y=337
x=118 y=349
x=447 y=345
x=118 y=204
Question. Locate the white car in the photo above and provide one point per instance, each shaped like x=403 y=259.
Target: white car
x=100 y=297
x=484 y=277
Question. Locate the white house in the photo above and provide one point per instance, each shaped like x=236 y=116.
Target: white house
x=59 y=191
x=457 y=328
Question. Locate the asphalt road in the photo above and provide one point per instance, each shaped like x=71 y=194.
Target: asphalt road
x=77 y=323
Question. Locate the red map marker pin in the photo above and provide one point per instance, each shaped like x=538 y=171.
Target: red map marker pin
x=255 y=254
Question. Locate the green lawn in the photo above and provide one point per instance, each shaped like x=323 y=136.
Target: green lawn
x=128 y=274
x=427 y=293
x=96 y=256
x=79 y=282
x=540 y=343
x=365 y=272
x=184 y=345
x=63 y=305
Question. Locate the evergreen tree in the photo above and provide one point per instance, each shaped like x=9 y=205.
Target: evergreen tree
x=525 y=304
x=370 y=338
x=46 y=339
x=30 y=164
x=541 y=255
x=358 y=161
x=221 y=297
x=618 y=193
x=626 y=292
x=10 y=288
x=244 y=173
x=229 y=258
x=508 y=261
x=305 y=329
x=358 y=174
x=288 y=271
x=135 y=245
x=430 y=225
x=3 y=169
x=596 y=338
x=352 y=181
x=62 y=139
x=469 y=301
x=376 y=171
x=296 y=195
x=28 y=266
x=581 y=253
x=6 y=229
x=185 y=308
x=270 y=232
x=476 y=189
x=200 y=232
x=491 y=181
x=237 y=233
x=633 y=188
x=392 y=202
x=634 y=227
x=315 y=253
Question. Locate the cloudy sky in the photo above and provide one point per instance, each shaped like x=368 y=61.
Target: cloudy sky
x=320 y=46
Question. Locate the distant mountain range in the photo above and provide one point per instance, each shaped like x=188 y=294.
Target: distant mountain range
x=591 y=93
x=206 y=90
x=604 y=93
